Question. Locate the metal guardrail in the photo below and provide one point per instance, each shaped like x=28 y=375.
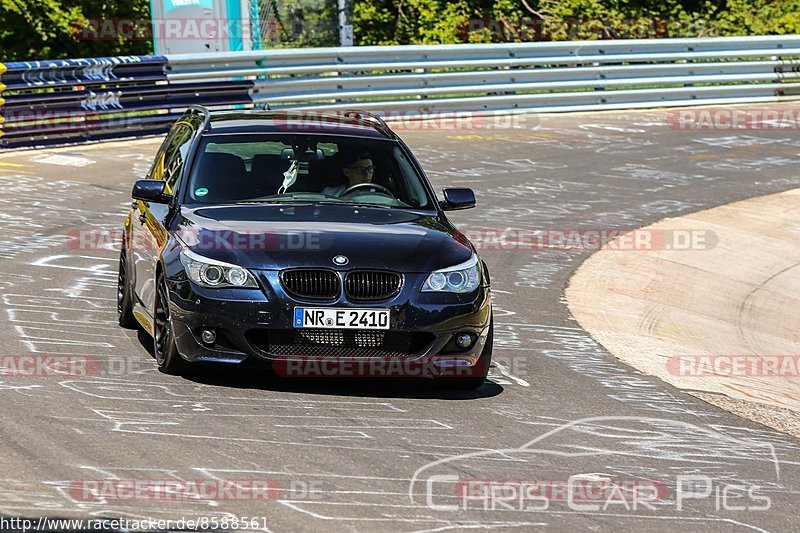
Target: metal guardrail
x=84 y=99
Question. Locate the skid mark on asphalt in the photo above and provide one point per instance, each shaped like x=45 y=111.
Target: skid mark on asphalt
x=541 y=191
x=573 y=347
x=337 y=497
x=158 y=392
x=293 y=428
x=93 y=492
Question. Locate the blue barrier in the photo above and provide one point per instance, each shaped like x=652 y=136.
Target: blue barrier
x=68 y=72
x=63 y=101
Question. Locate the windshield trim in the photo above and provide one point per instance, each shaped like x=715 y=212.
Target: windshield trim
x=202 y=140
x=415 y=210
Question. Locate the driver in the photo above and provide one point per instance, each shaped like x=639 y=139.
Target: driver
x=357 y=169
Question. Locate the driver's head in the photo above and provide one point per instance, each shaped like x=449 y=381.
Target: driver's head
x=358 y=168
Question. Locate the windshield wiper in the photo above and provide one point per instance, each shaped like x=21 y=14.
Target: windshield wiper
x=370 y=205
x=276 y=201
x=317 y=202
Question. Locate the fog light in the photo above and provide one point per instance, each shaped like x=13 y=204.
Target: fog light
x=464 y=340
x=208 y=336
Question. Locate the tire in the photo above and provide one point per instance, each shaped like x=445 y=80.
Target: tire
x=164 y=347
x=481 y=367
x=125 y=294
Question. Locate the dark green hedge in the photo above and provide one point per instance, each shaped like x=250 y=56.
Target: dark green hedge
x=49 y=29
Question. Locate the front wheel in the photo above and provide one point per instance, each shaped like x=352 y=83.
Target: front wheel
x=479 y=372
x=166 y=351
x=125 y=294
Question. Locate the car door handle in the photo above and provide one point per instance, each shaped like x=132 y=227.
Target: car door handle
x=142 y=219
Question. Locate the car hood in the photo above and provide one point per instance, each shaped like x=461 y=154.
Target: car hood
x=275 y=236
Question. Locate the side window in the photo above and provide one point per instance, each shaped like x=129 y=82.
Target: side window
x=416 y=191
x=175 y=155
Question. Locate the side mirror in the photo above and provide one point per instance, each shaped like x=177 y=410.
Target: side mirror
x=456 y=198
x=151 y=191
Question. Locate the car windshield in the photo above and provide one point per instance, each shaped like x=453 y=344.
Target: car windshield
x=279 y=168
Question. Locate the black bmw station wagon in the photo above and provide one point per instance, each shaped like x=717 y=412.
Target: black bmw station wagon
x=273 y=237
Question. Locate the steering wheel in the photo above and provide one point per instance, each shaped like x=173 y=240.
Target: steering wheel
x=381 y=188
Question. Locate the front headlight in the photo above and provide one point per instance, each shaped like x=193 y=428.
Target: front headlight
x=215 y=274
x=459 y=279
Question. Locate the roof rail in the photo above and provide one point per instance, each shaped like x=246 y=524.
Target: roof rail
x=200 y=110
x=367 y=116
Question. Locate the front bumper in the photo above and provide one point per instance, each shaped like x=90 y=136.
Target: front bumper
x=241 y=317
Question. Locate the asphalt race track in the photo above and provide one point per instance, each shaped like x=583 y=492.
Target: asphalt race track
x=344 y=455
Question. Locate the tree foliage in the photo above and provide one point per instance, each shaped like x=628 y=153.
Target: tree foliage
x=301 y=23
x=42 y=29
x=442 y=21
x=49 y=29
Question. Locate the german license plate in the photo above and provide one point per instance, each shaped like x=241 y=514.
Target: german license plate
x=337 y=318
